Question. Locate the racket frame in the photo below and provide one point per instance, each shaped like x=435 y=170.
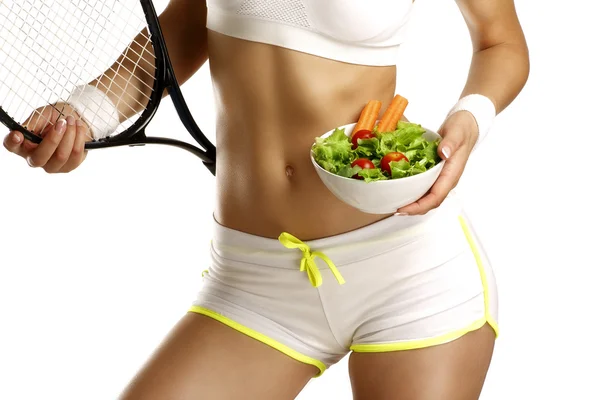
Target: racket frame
x=164 y=80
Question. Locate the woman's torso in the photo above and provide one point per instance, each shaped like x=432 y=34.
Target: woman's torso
x=271 y=104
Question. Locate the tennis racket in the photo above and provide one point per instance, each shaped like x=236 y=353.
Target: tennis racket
x=104 y=61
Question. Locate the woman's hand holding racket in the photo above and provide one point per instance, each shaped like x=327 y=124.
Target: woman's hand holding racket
x=62 y=148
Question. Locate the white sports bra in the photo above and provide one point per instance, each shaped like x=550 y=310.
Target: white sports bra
x=367 y=32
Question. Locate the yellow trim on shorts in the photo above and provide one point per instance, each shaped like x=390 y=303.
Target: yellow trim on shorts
x=418 y=344
x=450 y=336
x=261 y=338
x=486 y=295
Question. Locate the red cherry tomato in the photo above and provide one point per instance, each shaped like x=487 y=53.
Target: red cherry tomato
x=388 y=158
x=362 y=134
x=364 y=163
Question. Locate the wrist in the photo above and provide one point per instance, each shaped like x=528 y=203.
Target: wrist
x=482 y=112
x=96 y=109
x=462 y=121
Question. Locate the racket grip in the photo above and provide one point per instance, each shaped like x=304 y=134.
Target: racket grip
x=96 y=109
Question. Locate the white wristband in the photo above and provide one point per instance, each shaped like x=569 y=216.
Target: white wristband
x=482 y=109
x=96 y=109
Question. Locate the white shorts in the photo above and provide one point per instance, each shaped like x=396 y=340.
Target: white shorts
x=408 y=283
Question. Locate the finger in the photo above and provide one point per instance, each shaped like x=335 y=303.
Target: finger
x=16 y=143
x=28 y=146
x=40 y=119
x=45 y=150
x=12 y=142
x=63 y=151
x=38 y=122
x=46 y=131
x=448 y=179
x=78 y=153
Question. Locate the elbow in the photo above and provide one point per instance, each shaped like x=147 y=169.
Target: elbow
x=520 y=64
x=519 y=50
x=524 y=61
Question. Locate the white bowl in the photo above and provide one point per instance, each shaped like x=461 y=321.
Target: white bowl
x=379 y=197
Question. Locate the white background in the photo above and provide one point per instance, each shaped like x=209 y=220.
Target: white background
x=97 y=265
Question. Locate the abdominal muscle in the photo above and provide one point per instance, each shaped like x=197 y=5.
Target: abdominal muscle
x=271 y=104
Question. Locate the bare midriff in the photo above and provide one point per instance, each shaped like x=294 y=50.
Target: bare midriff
x=271 y=104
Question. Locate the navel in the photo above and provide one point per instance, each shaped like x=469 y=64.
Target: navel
x=289 y=171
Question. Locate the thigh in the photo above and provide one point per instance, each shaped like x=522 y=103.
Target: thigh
x=205 y=359
x=451 y=371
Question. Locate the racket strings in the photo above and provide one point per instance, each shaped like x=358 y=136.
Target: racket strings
x=49 y=47
x=125 y=55
x=113 y=86
x=132 y=74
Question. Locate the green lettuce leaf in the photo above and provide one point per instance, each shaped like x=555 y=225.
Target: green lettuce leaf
x=372 y=174
x=406 y=137
x=431 y=153
x=419 y=167
x=411 y=154
x=399 y=169
x=403 y=168
x=367 y=148
x=417 y=144
x=389 y=143
x=348 y=171
x=334 y=152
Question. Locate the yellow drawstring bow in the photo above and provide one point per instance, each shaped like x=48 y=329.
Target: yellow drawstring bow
x=308 y=263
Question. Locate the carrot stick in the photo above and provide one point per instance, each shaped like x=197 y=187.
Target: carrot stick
x=392 y=115
x=368 y=116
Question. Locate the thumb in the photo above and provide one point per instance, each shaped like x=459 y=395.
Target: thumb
x=12 y=141
x=451 y=141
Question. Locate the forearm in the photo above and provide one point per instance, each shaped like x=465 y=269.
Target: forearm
x=128 y=82
x=498 y=72
x=500 y=62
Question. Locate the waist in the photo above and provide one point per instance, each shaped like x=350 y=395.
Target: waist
x=366 y=241
x=265 y=205
x=265 y=201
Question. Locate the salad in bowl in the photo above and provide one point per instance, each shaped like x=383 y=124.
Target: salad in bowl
x=378 y=165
